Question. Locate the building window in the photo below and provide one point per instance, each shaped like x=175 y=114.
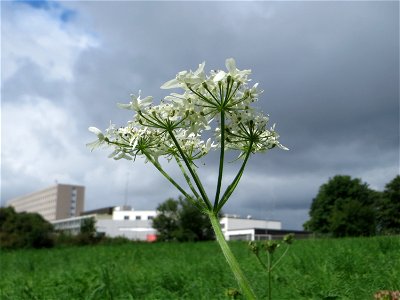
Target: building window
x=138 y=218
x=222 y=225
x=150 y=218
x=126 y=217
x=73 y=202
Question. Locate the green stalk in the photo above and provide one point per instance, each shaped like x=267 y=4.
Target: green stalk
x=221 y=160
x=235 y=181
x=159 y=168
x=174 y=183
x=194 y=175
x=280 y=258
x=269 y=256
x=230 y=258
x=189 y=182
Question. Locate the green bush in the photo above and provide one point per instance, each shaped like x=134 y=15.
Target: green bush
x=24 y=230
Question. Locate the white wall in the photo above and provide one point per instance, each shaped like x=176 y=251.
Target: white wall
x=228 y=223
x=120 y=215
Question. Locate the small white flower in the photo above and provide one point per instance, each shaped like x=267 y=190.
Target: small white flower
x=171 y=84
x=97 y=132
x=101 y=140
x=137 y=104
x=219 y=76
x=231 y=66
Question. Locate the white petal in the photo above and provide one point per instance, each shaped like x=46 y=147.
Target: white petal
x=173 y=83
x=146 y=101
x=200 y=69
x=220 y=75
x=125 y=106
x=231 y=65
x=96 y=131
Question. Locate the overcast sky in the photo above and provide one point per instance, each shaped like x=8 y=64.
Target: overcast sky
x=329 y=71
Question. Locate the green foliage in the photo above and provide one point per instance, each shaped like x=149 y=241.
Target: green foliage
x=265 y=253
x=180 y=220
x=88 y=226
x=167 y=220
x=343 y=207
x=348 y=268
x=24 y=230
x=351 y=217
x=388 y=208
x=87 y=234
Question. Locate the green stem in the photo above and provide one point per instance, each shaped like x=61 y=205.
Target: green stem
x=194 y=175
x=230 y=258
x=174 y=183
x=269 y=256
x=261 y=262
x=221 y=160
x=189 y=182
x=280 y=258
x=235 y=181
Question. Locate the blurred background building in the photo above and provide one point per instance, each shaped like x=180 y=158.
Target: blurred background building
x=63 y=206
x=119 y=221
x=57 y=202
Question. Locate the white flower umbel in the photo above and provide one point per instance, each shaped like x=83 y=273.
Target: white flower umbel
x=213 y=111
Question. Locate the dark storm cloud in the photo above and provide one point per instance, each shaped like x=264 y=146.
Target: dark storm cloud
x=329 y=71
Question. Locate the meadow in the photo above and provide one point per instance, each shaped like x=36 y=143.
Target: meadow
x=350 y=268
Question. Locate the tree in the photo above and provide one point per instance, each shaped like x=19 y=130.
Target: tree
x=87 y=234
x=167 y=220
x=343 y=207
x=179 y=220
x=24 y=230
x=351 y=217
x=88 y=226
x=388 y=208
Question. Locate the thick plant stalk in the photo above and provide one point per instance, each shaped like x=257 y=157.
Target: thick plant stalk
x=230 y=258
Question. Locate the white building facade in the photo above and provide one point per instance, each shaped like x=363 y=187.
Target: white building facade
x=236 y=228
x=124 y=222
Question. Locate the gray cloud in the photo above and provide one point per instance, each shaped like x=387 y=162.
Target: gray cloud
x=330 y=72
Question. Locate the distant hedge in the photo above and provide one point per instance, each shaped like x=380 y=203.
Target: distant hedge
x=24 y=230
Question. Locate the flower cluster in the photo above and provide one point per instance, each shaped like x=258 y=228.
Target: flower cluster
x=177 y=126
x=213 y=111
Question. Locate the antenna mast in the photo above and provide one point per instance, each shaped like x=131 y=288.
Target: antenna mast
x=126 y=190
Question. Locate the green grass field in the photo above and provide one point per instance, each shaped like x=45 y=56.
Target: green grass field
x=313 y=269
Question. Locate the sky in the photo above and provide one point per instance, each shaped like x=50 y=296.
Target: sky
x=329 y=71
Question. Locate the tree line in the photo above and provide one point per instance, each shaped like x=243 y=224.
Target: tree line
x=346 y=206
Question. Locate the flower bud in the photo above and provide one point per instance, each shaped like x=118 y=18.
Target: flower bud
x=288 y=239
x=271 y=246
x=253 y=247
x=251 y=124
x=233 y=293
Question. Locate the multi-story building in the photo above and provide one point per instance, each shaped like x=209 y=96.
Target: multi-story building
x=60 y=201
